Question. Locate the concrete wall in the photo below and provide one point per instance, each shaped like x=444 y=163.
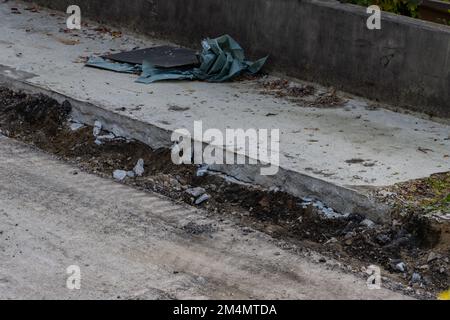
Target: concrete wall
x=407 y=63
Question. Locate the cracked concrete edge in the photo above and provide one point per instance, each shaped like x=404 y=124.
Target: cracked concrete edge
x=341 y=198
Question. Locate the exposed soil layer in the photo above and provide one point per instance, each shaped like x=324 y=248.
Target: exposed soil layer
x=413 y=254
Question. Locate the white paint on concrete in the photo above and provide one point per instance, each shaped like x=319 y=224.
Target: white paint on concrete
x=314 y=141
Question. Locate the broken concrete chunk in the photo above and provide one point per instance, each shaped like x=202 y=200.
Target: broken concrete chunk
x=196 y=192
x=109 y=136
x=368 y=223
x=401 y=266
x=202 y=199
x=433 y=256
x=74 y=126
x=97 y=128
x=139 y=168
x=416 y=278
x=202 y=171
x=119 y=175
x=383 y=239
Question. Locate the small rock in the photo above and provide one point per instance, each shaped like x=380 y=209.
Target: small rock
x=196 y=192
x=383 y=239
x=202 y=171
x=74 y=126
x=368 y=223
x=386 y=194
x=332 y=240
x=97 y=128
x=131 y=174
x=349 y=235
x=201 y=280
x=433 y=256
x=139 y=168
x=202 y=199
x=401 y=266
x=119 y=175
x=212 y=187
x=416 y=278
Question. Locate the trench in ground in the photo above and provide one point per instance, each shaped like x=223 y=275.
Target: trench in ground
x=42 y=122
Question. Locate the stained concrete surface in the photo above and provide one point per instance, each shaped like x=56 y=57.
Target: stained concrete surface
x=134 y=245
x=318 y=145
x=406 y=62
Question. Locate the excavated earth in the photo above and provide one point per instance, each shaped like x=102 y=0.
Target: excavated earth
x=411 y=240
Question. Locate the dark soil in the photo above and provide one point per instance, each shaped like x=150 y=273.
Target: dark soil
x=41 y=121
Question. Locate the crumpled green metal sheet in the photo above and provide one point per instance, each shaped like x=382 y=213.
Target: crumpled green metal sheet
x=221 y=60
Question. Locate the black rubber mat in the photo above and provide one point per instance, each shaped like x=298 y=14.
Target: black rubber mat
x=161 y=57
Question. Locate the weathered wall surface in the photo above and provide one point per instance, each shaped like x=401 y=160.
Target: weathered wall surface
x=406 y=63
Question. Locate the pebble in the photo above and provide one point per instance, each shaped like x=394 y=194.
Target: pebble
x=383 y=239
x=416 y=278
x=202 y=199
x=139 y=168
x=401 y=266
x=433 y=256
x=97 y=128
x=202 y=171
x=110 y=136
x=74 y=126
x=119 y=175
x=349 y=235
x=196 y=192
